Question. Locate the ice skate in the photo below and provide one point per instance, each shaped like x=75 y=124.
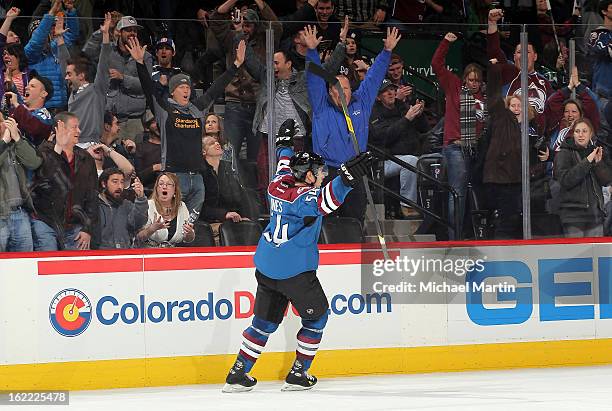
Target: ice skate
x=237 y=380
x=298 y=380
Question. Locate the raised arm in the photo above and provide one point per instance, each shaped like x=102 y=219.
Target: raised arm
x=494 y=88
x=268 y=15
x=494 y=50
x=218 y=86
x=102 y=80
x=448 y=80
x=133 y=84
x=317 y=91
x=72 y=26
x=254 y=66
x=119 y=159
x=368 y=89
x=335 y=60
x=63 y=55
x=332 y=194
x=138 y=53
x=227 y=6
x=92 y=47
x=11 y=15
x=34 y=48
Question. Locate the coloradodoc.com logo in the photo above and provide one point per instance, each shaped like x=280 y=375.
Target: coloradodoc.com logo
x=70 y=312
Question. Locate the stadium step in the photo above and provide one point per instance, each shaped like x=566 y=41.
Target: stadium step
x=397 y=231
x=402 y=238
x=394 y=230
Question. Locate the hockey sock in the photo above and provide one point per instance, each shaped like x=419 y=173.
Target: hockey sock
x=254 y=340
x=308 y=340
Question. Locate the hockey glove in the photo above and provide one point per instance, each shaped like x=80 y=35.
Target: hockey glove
x=287 y=130
x=353 y=170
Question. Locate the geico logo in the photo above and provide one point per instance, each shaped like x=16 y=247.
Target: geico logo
x=555 y=278
x=109 y=310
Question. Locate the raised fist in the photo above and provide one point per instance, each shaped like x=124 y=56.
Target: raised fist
x=286 y=132
x=353 y=170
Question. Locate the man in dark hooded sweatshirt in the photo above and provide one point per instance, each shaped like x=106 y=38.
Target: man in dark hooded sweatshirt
x=181 y=122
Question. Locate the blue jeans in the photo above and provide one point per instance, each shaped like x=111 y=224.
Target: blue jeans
x=458 y=170
x=45 y=237
x=604 y=127
x=238 y=125
x=192 y=190
x=408 y=179
x=15 y=232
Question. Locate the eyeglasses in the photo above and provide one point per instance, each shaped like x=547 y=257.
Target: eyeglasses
x=165 y=184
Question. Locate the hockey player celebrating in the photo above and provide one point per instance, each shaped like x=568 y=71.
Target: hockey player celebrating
x=287 y=257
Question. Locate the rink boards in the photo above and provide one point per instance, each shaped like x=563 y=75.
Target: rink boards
x=103 y=320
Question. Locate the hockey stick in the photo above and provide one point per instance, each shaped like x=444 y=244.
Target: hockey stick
x=552 y=19
x=330 y=78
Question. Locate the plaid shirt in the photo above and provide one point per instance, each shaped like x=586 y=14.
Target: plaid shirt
x=360 y=10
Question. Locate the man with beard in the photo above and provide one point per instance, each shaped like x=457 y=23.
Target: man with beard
x=88 y=102
x=165 y=50
x=120 y=219
x=125 y=96
x=241 y=93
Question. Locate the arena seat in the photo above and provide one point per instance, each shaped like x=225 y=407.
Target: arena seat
x=203 y=236
x=242 y=233
x=248 y=173
x=341 y=230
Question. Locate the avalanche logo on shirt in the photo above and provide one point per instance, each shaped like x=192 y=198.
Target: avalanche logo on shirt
x=44 y=115
x=70 y=312
x=537 y=96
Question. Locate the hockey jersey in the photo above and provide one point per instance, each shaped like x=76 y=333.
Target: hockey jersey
x=288 y=245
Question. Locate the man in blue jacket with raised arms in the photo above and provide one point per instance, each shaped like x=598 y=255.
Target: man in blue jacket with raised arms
x=287 y=258
x=330 y=136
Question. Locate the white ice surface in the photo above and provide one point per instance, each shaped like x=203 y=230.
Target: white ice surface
x=576 y=388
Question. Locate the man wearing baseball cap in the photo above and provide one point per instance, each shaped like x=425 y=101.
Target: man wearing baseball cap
x=165 y=50
x=125 y=96
x=181 y=122
x=396 y=128
x=241 y=93
x=33 y=118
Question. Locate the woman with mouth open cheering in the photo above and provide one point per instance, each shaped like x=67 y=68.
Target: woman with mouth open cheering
x=168 y=220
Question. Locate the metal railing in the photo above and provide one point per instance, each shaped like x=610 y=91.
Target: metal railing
x=440 y=184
